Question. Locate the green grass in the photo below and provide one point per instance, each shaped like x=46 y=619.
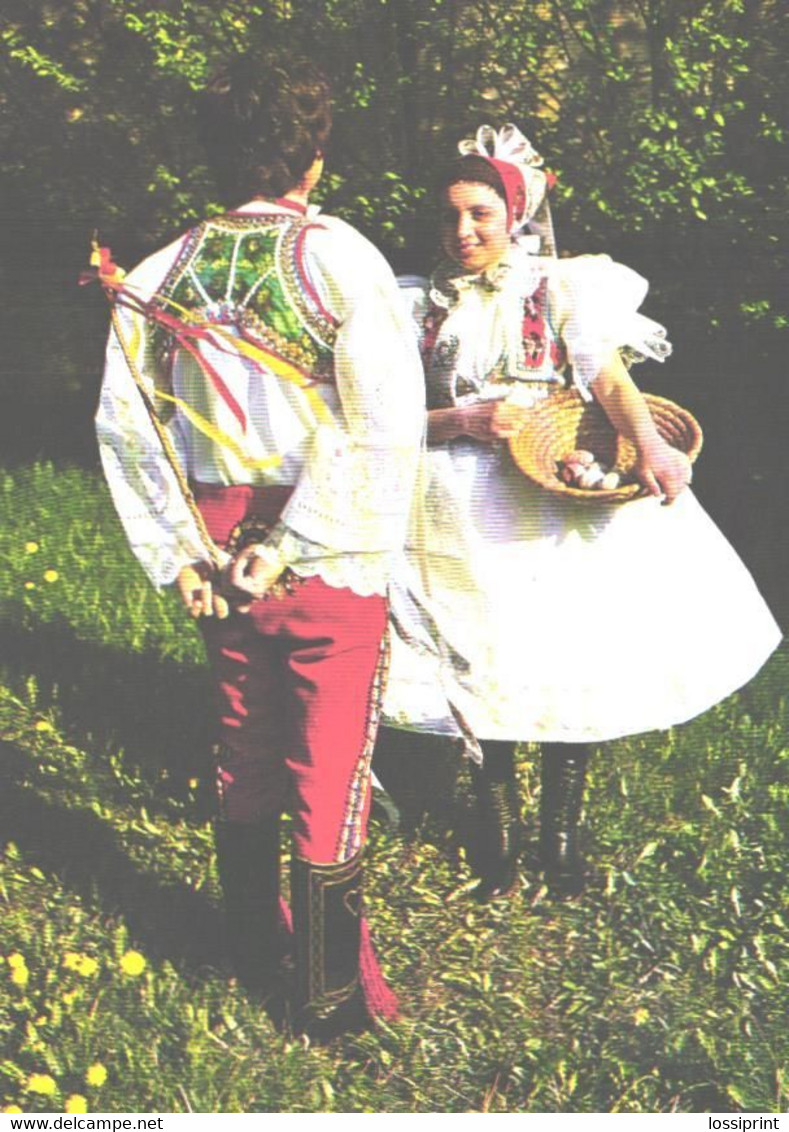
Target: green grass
x=663 y=989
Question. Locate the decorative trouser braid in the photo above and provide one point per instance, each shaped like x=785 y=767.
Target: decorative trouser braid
x=563 y=777
x=498 y=810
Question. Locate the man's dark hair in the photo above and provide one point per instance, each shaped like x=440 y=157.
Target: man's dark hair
x=263 y=122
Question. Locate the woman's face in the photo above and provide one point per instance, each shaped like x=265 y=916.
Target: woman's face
x=474 y=225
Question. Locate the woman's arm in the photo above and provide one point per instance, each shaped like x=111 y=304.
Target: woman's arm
x=663 y=470
x=488 y=421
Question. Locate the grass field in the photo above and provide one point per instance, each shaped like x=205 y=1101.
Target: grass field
x=663 y=989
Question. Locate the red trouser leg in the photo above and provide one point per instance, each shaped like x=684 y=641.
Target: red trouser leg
x=335 y=671
x=251 y=774
x=298 y=680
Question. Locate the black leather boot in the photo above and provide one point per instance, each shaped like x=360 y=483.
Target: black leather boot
x=563 y=777
x=498 y=811
x=248 y=863
x=327 y=912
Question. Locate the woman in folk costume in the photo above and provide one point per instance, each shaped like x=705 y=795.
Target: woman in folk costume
x=265 y=355
x=509 y=613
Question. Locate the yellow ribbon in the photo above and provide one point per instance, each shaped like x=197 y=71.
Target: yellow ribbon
x=213 y=432
x=280 y=368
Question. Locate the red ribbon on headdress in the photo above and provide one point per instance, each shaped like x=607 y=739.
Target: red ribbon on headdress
x=514 y=191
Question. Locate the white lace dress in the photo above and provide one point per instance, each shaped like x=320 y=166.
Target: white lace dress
x=528 y=616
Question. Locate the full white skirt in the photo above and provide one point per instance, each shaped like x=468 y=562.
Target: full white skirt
x=541 y=618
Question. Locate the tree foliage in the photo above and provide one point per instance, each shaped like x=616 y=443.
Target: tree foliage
x=663 y=119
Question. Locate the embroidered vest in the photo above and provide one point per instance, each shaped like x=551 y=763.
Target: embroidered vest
x=248 y=272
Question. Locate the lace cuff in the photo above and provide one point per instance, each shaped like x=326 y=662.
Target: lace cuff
x=365 y=574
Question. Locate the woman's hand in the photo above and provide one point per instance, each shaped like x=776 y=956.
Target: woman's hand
x=487 y=421
x=494 y=420
x=196 y=588
x=663 y=470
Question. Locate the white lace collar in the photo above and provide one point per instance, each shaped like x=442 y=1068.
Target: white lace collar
x=519 y=270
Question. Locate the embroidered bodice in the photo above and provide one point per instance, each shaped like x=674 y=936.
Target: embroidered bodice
x=531 y=319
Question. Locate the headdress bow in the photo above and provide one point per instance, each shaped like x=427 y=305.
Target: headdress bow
x=506 y=144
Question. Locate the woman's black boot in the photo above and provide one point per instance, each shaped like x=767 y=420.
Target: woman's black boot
x=247 y=856
x=498 y=811
x=563 y=777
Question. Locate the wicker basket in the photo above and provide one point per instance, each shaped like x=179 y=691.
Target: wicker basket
x=564 y=422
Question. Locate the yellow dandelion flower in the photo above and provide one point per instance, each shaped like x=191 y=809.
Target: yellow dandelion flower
x=76 y=1103
x=42 y=1020
x=193 y=783
x=51 y=575
x=15 y=959
x=96 y=1075
x=43 y=725
x=41 y=1083
x=31 y=547
x=69 y=996
x=20 y=976
x=84 y=965
x=30 y=585
x=12 y=1108
x=133 y=963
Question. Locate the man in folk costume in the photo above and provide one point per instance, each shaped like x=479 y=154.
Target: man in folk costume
x=259 y=424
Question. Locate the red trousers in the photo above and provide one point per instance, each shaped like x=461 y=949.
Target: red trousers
x=299 y=680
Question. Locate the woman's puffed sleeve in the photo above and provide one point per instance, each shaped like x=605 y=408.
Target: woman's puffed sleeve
x=159 y=526
x=594 y=306
x=354 y=492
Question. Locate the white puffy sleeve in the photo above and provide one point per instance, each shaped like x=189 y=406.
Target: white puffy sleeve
x=354 y=492
x=159 y=526
x=594 y=306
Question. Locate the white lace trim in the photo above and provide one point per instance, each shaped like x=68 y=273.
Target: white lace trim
x=351 y=571
x=365 y=574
